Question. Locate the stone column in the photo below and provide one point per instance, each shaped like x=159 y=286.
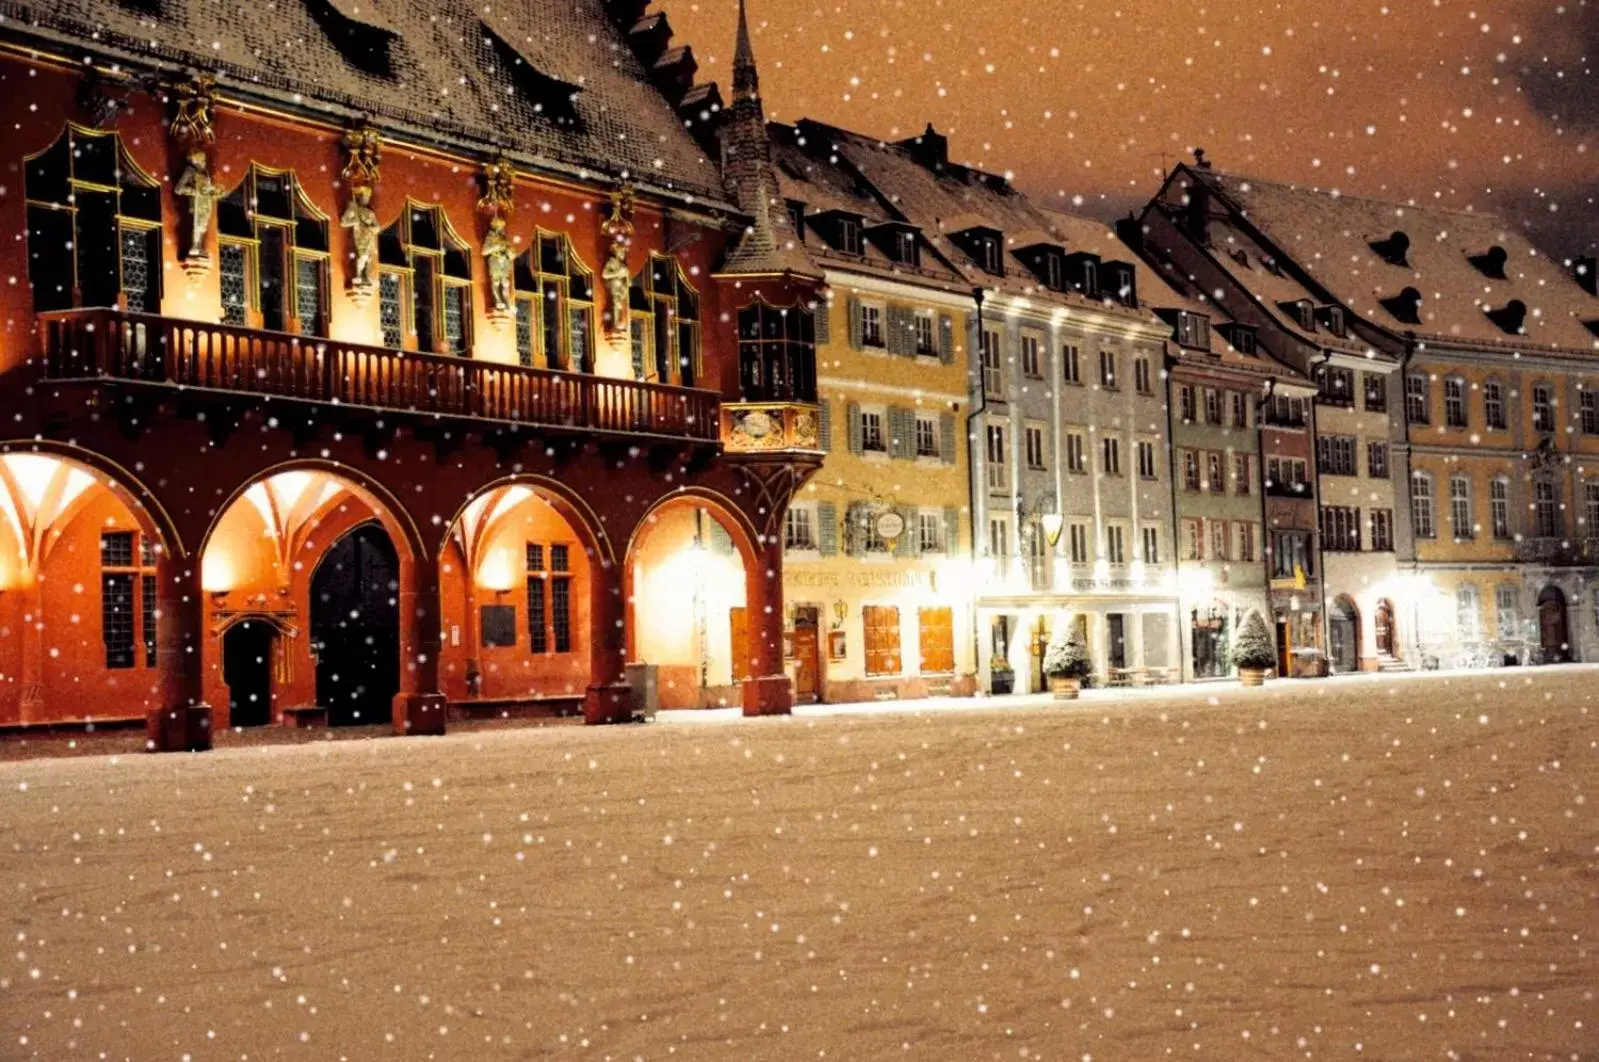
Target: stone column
x=608 y=699
x=183 y=722
x=768 y=691
x=419 y=707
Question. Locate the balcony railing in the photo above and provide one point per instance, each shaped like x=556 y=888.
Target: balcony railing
x=145 y=348
x=758 y=427
x=1551 y=550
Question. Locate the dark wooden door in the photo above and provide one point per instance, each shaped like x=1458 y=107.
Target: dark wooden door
x=1384 y=629
x=355 y=624
x=1118 y=639
x=1552 y=626
x=247 y=670
x=807 y=658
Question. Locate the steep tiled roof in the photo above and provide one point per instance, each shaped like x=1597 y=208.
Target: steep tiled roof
x=823 y=186
x=1331 y=237
x=462 y=70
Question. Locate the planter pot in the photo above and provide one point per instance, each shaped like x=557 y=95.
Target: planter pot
x=1252 y=676
x=1064 y=687
x=1000 y=682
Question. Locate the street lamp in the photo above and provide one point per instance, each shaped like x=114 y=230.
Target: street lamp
x=1052 y=524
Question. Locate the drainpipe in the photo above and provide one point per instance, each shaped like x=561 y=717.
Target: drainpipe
x=979 y=407
x=1183 y=662
x=1315 y=497
x=1265 y=527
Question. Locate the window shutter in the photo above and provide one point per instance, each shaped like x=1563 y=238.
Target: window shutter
x=946 y=339
x=910 y=543
x=946 y=438
x=827 y=529
x=856 y=443
x=855 y=529
x=854 y=323
x=952 y=530
x=824 y=322
x=897 y=447
x=824 y=426
x=904 y=320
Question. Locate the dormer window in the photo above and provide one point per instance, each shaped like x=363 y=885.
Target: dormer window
x=985 y=247
x=1082 y=273
x=796 y=218
x=1395 y=250
x=1054 y=271
x=1332 y=317
x=1193 y=330
x=1303 y=313
x=849 y=236
x=1512 y=317
x=1242 y=338
x=1491 y=263
x=898 y=242
x=1406 y=306
x=905 y=250
x=1121 y=283
x=988 y=255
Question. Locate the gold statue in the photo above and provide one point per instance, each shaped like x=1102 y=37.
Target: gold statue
x=202 y=192
x=615 y=276
x=498 y=252
x=362 y=221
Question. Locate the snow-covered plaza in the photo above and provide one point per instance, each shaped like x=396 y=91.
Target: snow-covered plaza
x=1380 y=868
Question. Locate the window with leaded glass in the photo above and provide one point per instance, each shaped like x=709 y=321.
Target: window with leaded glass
x=127 y=599
x=93 y=224
x=391 y=308
x=561 y=614
x=282 y=238
x=231 y=271
x=524 y=335
x=557 y=291
x=433 y=268
x=776 y=353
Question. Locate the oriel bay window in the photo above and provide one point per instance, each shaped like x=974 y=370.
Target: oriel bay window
x=272 y=251
x=555 y=307
x=425 y=283
x=665 y=324
x=94 y=225
x=776 y=353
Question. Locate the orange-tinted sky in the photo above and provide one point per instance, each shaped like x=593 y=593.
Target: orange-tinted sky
x=1492 y=104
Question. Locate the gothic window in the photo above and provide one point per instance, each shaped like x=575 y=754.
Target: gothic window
x=432 y=274
x=665 y=319
x=554 y=306
x=776 y=353
x=94 y=225
x=272 y=243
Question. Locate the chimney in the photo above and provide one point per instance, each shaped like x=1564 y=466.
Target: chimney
x=931 y=149
x=1586 y=270
x=1130 y=230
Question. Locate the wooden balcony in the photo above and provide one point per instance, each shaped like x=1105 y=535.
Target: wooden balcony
x=767 y=427
x=173 y=352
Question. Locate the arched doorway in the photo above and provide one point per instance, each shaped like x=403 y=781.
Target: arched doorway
x=247 y=654
x=355 y=627
x=688 y=596
x=1552 y=633
x=1343 y=631
x=1383 y=629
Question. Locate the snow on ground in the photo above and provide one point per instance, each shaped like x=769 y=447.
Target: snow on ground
x=1380 y=869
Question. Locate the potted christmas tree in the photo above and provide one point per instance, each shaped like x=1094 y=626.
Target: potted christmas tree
x=1253 y=652
x=1067 y=663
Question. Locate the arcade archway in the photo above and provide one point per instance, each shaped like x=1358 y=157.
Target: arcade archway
x=689 y=572
x=326 y=565
x=83 y=563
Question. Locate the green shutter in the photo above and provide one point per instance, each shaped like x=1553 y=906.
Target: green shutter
x=946 y=339
x=854 y=323
x=854 y=529
x=946 y=438
x=910 y=542
x=856 y=444
x=824 y=319
x=827 y=529
x=898 y=443
x=824 y=426
x=901 y=331
x=952 y=530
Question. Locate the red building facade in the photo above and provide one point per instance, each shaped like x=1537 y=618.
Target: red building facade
x=321 y=403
